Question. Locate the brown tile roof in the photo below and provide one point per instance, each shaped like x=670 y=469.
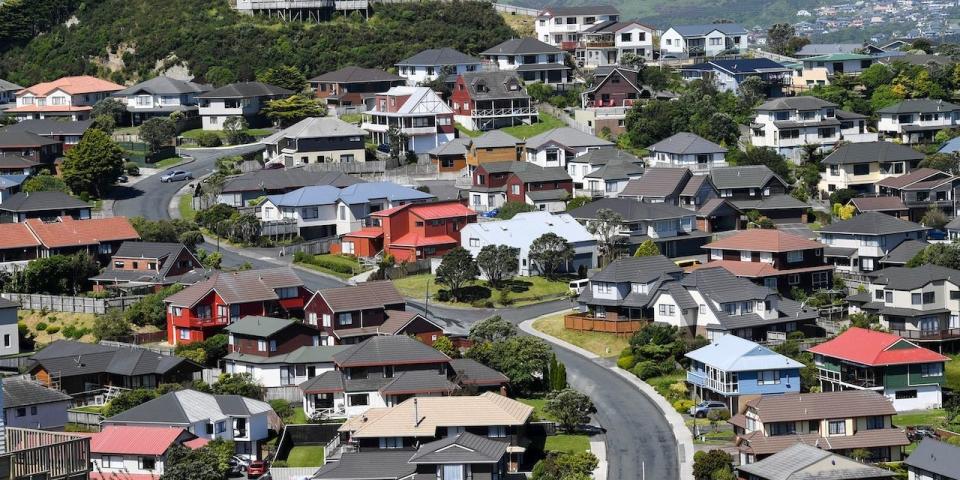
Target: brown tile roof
x=758 y=444
x=878 y=204
x=361 y=296
x=68 y=232
x=396 y=320
x=656 y=182
x=817 y=406
x=73 y=86
x=915 y=176
x=17 y=235
x=238 y=287
x=755 y=269
x=763 y=240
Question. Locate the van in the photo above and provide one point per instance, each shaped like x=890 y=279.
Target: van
x=577 y=286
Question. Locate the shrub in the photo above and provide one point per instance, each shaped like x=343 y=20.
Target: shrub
x=52 y=329
x=331 y=264
x=302 y=257
x=282 y=407
x=626 y=362
x=442 y=296
x=131 y=168
x=481 y=304
x=209 y=139
x=683 y=406
x=41 y=326
x=646 y=369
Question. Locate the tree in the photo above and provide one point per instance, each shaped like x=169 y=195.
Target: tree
x=705 y=463
x=524 y=360
x=844 y=212
x=934 y=218
x=157 y=133
x=843 y=196
x=550 y=252
x=235 y=129
x=109 y=107
x=287 y=111
x=55 y=275
x=284 y=77
x=752 y=91
x=445 y=346
x=204 y=463
x=558 y=374
x=778 y=37
x=93 y=164
x=105 y=123
x=219 y=76
x=606 y=227
x=540 y=91
x=456 y=269
x=111 y=326
x=647 y=249
x=127 y=400
x=168 y=231
x=44 y=182
x=761 y=156
x=716 y=416
x=498 y=263
x=511 y=208
x=565 y=466
x=493 y=329
x=577 y=202
x=570 y=408
x=241 y=384
x=942 y=254
x=150 y=310
x=876 y=75
x=945 y=162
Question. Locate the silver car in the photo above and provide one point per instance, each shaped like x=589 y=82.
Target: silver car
x=176 y=176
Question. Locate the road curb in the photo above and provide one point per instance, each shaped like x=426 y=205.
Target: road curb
x=680 y=431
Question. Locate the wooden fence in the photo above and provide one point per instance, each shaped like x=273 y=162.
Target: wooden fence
x=515 y=10
x=565 y=118
x=290 y=394
x=87 y=419
x=59 y=303
x=405 y=269
x=623 y=328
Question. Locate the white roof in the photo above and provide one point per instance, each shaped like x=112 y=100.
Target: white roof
x=199 y=406
x=734 y=354
x=317 y=127
x=521 y=230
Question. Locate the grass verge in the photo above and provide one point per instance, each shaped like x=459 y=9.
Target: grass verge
x=185 y=207
x=600 y=343
x=520 y=290
x=305 y=456
x=165 y=163
x=570 y=443
x=933 y=417
x=467 y=132
x=547 y=122
x=953 y=373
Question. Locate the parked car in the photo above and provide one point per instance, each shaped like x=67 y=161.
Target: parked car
x=122 y=179
x=492 y=213
x=702 y=409
x=237 y=466
x=577 y=286
x=915 y=434
x=273 y=166
x=384 y=147
x=176 y=176
x=256 y=469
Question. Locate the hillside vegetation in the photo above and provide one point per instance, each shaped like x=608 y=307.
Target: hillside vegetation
x=131 y=39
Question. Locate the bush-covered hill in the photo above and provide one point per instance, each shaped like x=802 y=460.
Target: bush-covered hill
x=128 y=39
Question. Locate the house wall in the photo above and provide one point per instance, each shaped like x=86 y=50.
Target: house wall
x=287 y=340
x=9 y=333
x=131 y=465
x=869 y=250
x=49 y=416
x=268 y=375
x=418 y=74
x=479 y=156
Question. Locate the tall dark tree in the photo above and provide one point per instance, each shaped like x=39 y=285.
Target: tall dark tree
x=498 y=263
x=456 y=269
x=550 y=252
x=93 y=164
x=284 y=77
x=157 y=133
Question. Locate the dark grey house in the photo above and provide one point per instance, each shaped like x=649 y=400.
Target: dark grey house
x=44 y=205
x=239 y=189
x=534 y=60
x=316 y=140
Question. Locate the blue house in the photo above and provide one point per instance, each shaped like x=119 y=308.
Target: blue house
x=731 y=367
x=728 y=74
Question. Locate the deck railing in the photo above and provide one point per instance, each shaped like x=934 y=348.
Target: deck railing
x=49 y=455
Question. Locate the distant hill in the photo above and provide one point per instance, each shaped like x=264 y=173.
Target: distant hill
x=126 y=40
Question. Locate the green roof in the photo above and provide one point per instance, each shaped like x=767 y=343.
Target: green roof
x=838 y=57
x=320 y=354
x=257 y=326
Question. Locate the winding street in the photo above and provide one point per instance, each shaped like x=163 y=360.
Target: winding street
x=638 y=438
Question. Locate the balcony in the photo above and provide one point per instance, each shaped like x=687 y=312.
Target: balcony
x=928 y=335
x=569 y=45
x=629 y=102
x=48 y=455
x=188 y=320
x=504 y=112
x=725 y=388
x=600 y=44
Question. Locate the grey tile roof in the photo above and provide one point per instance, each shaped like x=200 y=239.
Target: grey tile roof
x=302 y=355
x=657 y=182
x=472 y=372
x=723 y=286
x=354 y=74
x=439 y=56
x=257 y=326
x=872 y=223
x=547 y=195
x=920 y=105
x=62 y=356
x=630 y=210
x=568 y=137
x=617 y=170
x=389 y=350
x=362 y=296
x=740 y=66
x=806 y=462
x=747 y=176
x=686 y=143
x=494 y=85
x=816 y=49
x=462 y=448
x=11 y=161
x=936 y=457
x=369 y=465
x=774 y=202
x=603 y=156
x=190 y=406
x=317 y=127
x=521 y=46
x=869 y=152
x=495 y=139
x=286 y=178
x=164 y=86
x=878 y=204
x=529 y=172
x=246 y=90
x=953 y=224
x=713 y=205
x=903 y=278
x=14 y=138
x=150 y=250
x=457 y=146
x=4 y=303
x=419 y=381
x=7 y=86
x=20 y=392
x=637 y=269
x=904 y=252
x=327 y=382
x=694 y=184
x=41 y=201
x=802 y=102
x=536 y=67
x=701 y=30
x=49 y=126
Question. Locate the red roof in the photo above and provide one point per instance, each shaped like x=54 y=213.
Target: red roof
x=50 y=108
x=417 y=240
x=72 y=85
x=196 y=443
x=369 y=232
x=430 y=211
x=122 y=476
x=16 y=235
x=764 y=240
x=873 y=348
x=132 y=440
x=68 y=232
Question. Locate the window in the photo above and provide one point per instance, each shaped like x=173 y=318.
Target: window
x=184 y=334
x=474 y=242
x=22 y=412
x=497 y=431
x=112 y=461
x=261 y=345
x=746 y=256
x=768 y=377
x=955 y=295
x=6 y=339
x=358 y=399
x=861 y=169
x=716 y=254
x=931 y=370
x=391 y=442
x=875 y=422
x=878 y=295
x=813 y=426
x=782 y=428
x=915 y=298
x=793 y=279
x=929 y=297
x=287 y=292
x=220 y=427
x=626 y=37
x=746 y=307
x=326 y=319
x=668 y=310
x=148 y=463
x=273 y=345
x=730 y=308
x=905 y=394
x=888 y=296
x=820 y=279
x=795 y=256
x=33 y=410
x=345 y=318
x=838 y=427
x=451 y=472
x=770 y=282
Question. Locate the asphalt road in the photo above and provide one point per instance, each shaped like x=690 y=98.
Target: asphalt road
x=639 y=440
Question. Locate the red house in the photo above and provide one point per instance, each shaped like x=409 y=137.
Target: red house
x=411 y=232
x=203 y=309
x=524 y=182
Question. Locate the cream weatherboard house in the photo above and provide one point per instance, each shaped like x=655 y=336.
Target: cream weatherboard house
x=917 y=120
x=563 y=27
x=606 y=43
x=859 y=166
x=787 y=124
x=244 y=99
x=683 y=41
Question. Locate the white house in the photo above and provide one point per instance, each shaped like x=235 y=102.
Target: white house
x=859 y=166
x=687 y=150
x=727 y=75
x=316 y=140
x=684 y=41
x=554 y=148
x=243 y=420
x=417 y=112
x=917 y=120
x=562 y=26
x=532 y=59
x=161 y=96
x=856 y=245
x=244 y=99
x=71 y=98
x=787 y=124
x=120 y=451
x=9 y=333
x=427 y=65
x=607 y=42
x=523 y=229
x=285 y=370
x=580 y=166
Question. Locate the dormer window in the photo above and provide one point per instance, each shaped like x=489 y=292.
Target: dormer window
x=640 y=288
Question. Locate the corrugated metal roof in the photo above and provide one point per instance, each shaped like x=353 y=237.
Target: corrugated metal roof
x=734 y=354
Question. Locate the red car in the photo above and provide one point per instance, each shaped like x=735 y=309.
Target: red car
x=256 y=469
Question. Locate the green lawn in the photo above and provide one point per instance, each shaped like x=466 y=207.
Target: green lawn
x=547 y=122
x=305 y=456
x=165 y=163
x=520 y=291
x=953 y=373
x=299 y=417
x=537 y=404
x=127 y=130
x=89 y=409
x=934 y=417
x=567 y=443
x=600 y=343
x=185 y=207
x=195 y=133
x=351 y=117
x=341 y=266
x=467 y=132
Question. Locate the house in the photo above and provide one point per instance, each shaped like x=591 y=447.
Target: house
x=802 y=461
x=277 y=352
x=488 y=100
x=316 y=140
x=25 y=153
x=430 y=64
x=37 y=453
x=523 y=229
x=554 y=148
x=607 y=42
x=775 y=259
x=499 y=182
x=67 y=133
x=917 y=120
x=727 y=75
x=604 y=105
x=619 y=298
x=731 y=367
x=8 y=94
x=244 y=99
x=127 y=451
x=856 y=245
x=9 y=184
x=78 y=369
x=230 y=417
x=43 y=205
x=417 y=112
x=351 y=314
x=671 y=228
x=149 y=267
x=238 y=190
x=915 y=303
x=34 y=238
x=859 y=166
x=892 y=206
x=204 y=308
x=534 y=60
x=718 y=215
x=451 y=156
x=609 y=180
x=682 y=41
x=494 y=146
x=562 y=27
x=756 y=187
x=922 y=189
x=838 y=422
x=905 y=374
x=687 y=150
x=384 y=371
x=30 y=404
x=9 y=328
x=161 y=96
x=352 y=89
x=787 y=124
x=900 y=256
x=712 y=302
x=818 y=49
x=675 y=186
x=411 y=232
x=325 y=211
x=933 y=460
x=594 y=160
x=823 y=68
x=71 y=97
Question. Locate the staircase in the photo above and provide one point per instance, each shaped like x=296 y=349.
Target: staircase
x=109 y=394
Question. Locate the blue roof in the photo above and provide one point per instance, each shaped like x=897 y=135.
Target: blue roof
x=742 y=65
x=7 y=181
x=953 y=146
x=353 y=194
x=701 y=30
x=734 y=354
